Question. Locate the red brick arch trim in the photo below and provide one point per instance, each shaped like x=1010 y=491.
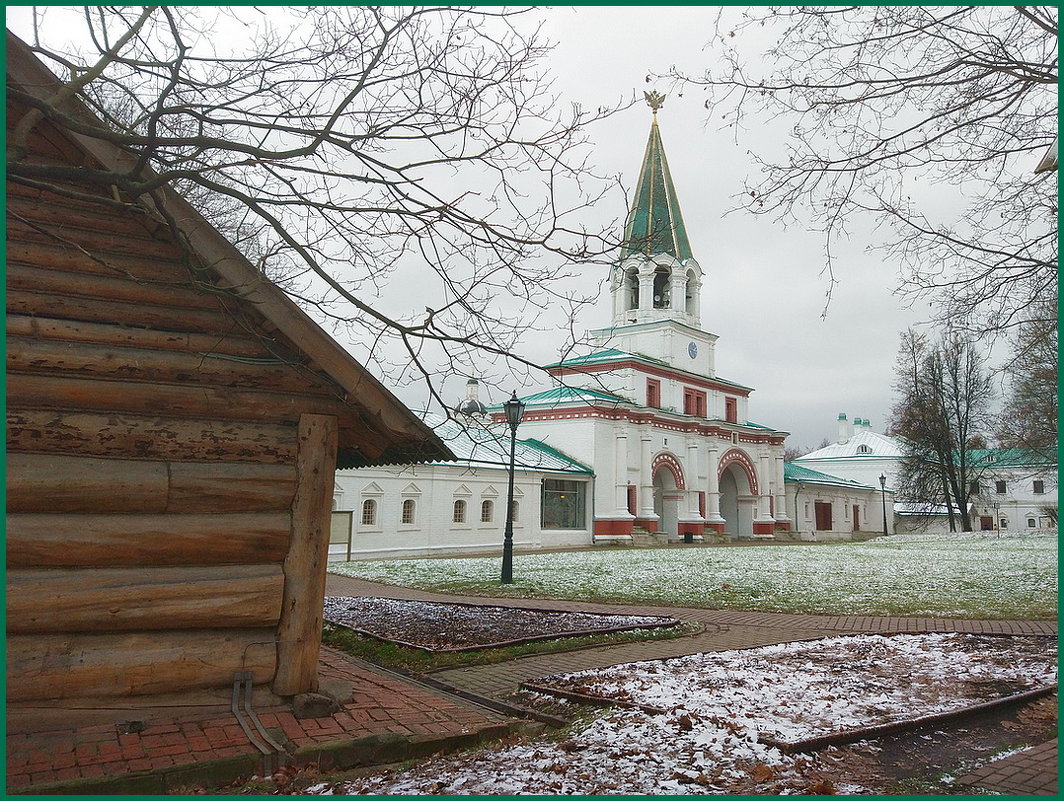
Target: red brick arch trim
x=736 y=456
x=670 y=462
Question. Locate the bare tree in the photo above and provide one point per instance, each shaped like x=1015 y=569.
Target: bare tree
x=929 y=120
x=407 y=170
x=944 y=394
x=1029 y=418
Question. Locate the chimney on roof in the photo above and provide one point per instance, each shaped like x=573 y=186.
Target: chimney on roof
x=844 y=429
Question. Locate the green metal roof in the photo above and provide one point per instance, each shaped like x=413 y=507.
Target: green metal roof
x=613 y=355
x=794 y=473
x=1007 y=457
x=567 y=395
x=655 y=224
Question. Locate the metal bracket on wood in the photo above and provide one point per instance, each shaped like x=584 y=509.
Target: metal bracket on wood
x=274 y=754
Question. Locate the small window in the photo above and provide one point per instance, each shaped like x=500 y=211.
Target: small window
x=369 y=512
x=863 y=449
x=515 y=508
x=731 y=410
x=999 y=487
x=408 y=512
x=974 y=488
x=734 y=438
x=1004 y=522
x=487 y=511
x=1039 y=487
x=653 y=393
x=459 y=512
x=989 y=458
x=1031 y=523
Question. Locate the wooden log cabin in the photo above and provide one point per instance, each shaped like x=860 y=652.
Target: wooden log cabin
x=173 y=426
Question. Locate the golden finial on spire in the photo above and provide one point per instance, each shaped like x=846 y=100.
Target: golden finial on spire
x=655 y=100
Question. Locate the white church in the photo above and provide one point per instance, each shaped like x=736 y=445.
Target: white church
x=657 y=444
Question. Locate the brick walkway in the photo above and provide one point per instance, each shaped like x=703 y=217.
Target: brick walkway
x=387 y=720
x=1030 y=772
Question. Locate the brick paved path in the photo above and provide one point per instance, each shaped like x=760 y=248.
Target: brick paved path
x=1030 y=772
x=386 y=720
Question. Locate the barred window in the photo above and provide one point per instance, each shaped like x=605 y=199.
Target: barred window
x=369 y=512
x=408 y=512
x=487 y=511
x=459 y=512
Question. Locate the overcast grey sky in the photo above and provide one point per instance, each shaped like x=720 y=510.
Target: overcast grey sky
x=763 y=291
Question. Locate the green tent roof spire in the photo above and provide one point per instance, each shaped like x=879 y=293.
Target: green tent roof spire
x=655 y=224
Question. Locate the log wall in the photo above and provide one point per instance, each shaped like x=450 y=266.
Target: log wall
x=152 y=435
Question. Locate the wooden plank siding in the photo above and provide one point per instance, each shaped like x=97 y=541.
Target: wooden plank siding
x=152 y=436
x=174 y=422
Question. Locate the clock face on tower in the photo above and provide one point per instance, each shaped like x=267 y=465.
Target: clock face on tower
x=692 y=350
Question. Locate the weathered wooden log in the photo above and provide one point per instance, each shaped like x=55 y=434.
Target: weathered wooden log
x=177 y=292
x=40 y=482
x=86 y=359
x=59 y=256
x=45 y=210
x=299 y=630
x=110 y=334
x=143 y=598
x=54 y=483
x=99 y=242
x=61 y=392
x=107 y=311
x=222 y=487
x=58 y=540
x=124 y=435
x=108 y=665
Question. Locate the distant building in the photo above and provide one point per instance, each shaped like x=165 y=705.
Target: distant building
x=1020 y=483
x=826 y=507
x=459 y=507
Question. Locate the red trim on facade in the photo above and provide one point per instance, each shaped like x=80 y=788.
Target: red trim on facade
x=783 y=526
x=641 y=418
x=717 y=527
x=689 y=528
x=604 y=528
x=650 y=524
x=663 y=372
x=764 y=528
x=672 y=463
x=736 y=456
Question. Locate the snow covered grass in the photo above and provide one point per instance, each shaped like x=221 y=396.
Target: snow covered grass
x=717 y=706
x=952 y=576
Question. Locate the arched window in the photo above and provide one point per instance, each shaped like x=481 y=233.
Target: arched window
x=369 y=512
x=863 y=449
x=459 y=512
x=408 y=511
x=661 y=287
x=631 y=280
x=690 y=294
x=487 y=511
x=515 y=509
x=1031 y=522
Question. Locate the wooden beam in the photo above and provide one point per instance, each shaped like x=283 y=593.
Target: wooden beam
x=41 y=482
x=299 y=631
x=58 y=540
x=143 y=599
x=149 y=437
x=110 y=334
x=117 y=665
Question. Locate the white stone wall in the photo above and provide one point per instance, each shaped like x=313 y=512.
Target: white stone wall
x=842 y=500
x=434 y=489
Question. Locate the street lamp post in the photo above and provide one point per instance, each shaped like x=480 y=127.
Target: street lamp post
x=514 y=412
x=883 y=492
x=997 y=519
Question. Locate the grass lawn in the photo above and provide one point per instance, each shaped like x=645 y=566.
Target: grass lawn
x=951 y=576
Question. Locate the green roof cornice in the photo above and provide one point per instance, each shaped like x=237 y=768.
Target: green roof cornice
x=655 y=224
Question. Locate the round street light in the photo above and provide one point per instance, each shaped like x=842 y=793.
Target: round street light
x=515 y=410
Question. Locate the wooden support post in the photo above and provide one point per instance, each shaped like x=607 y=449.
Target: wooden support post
x=299 y=630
